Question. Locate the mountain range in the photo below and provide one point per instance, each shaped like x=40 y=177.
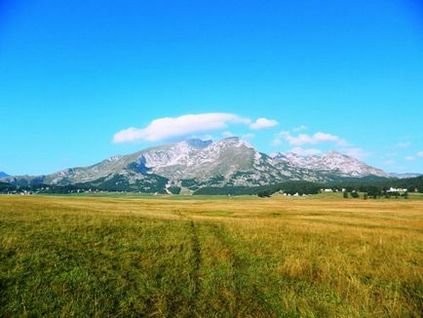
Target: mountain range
x=404 y=175
x=3 y=174
x=194 y=163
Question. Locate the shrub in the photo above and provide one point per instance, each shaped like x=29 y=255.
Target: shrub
x=264 y=194
x=355 y=195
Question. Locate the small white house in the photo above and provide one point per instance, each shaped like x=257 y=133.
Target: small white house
x=394 y=190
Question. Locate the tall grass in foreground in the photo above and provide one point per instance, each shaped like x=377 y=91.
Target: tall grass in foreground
x=82 y=256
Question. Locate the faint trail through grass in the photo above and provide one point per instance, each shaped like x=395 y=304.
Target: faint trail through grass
x=236 y=265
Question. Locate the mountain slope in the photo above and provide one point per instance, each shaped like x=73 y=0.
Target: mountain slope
x=3 y=174
x=193 y=164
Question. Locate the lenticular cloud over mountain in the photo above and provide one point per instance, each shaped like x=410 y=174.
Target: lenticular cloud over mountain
x=170 y=127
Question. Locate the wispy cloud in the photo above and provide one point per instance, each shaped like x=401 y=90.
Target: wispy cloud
x=419 y=154
x=262 y=122
x=300 y=128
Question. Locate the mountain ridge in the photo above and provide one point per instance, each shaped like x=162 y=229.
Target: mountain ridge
x=404 y=175
x=192 y=164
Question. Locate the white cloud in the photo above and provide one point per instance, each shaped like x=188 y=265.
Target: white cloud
x=262 y=122
x=306 y=151
x=171 y=127
x=409 y=158
x=304 y=139
x=186 y=125
x=420 y=154
x=301 y=141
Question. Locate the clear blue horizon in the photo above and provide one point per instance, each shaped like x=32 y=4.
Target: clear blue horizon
x=302 y=76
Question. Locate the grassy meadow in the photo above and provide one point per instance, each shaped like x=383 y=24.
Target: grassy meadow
x=123 y=256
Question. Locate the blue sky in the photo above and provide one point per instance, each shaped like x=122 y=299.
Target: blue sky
x=344 y=75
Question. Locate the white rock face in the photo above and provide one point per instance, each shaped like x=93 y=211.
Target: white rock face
x=333 y=162
x=200 y=160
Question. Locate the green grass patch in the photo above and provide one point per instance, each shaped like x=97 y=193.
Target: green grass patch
x=133 y=256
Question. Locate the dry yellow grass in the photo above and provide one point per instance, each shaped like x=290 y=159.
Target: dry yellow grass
x=219 y=256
